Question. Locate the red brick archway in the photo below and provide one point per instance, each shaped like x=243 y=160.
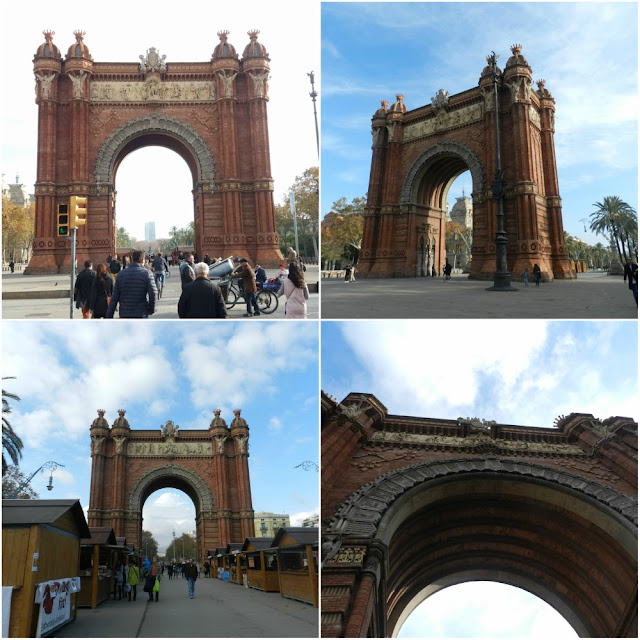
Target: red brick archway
x=210 y=466
x=214 y=114
x=418 y=154
x=413 y=505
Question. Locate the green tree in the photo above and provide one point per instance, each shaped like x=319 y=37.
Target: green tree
x=149 y=544
x=18 y=224
x=123 y=239
x=616 y=219
x=11 y=442
x=185 y=547
x=11 y=480
x=305 y=189
x=342 y=237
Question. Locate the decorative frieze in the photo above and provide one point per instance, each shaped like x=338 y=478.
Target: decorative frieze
x=444 y=120
x=153 y=89
x=169 y=448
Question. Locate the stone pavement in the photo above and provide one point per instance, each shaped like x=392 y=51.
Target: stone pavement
x=32 y=297
x=591 y=296
x=219 y=610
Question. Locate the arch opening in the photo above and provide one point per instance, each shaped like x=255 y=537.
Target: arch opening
x=483 y=609
x=525 y=532
x=168 y=513
x=154 y=183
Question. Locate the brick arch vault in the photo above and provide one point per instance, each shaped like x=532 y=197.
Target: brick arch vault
x=214 y=114
x=417 y=154
x=550 y=510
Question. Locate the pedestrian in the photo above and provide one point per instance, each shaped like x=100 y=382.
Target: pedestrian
x=296 y=292
x=101 y=290
x=292 y=256
x=135 y=291
x=126 y=261
x=170 y=571
x=134 y=579
x=207 y=567
x=187 y=274
x=248 y=286
x=352 y=278
x=118 y=582
x=537 y=274
x=160 y=268
x=191 y=572
x=347 y=273
x=114 y=266
x=631 y=273
x=201 y=298
x=433 y=271
x=260 y=273
x=12 y=265
x=82 y=288
x=525 y=277
x=447 y=271
x=206 y=259
x=152 y=583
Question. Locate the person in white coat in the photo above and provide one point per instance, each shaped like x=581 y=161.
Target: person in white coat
x=296 y=292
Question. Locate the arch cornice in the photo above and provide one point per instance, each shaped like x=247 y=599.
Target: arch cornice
x=173 y=471
x=361 y=514
x=448 y=148
x=156 y=124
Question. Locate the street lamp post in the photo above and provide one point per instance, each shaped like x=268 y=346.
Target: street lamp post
x=501 y=277
x=51 y=465
x=314 y=95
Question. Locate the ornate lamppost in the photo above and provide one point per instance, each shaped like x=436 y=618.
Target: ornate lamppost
x=314 y=95
x=51 y=465
x=501 y=277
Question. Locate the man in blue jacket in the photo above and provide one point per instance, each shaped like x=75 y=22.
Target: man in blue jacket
x=135 y=290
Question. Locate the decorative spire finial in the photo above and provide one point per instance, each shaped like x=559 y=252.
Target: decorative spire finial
x=253 y=34
x=516 y=49
x=223 y=35
x=79 y=35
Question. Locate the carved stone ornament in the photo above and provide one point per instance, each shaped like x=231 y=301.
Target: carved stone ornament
x=220 y=440
x=242 y=443
x=119 y=440
x=45 y=84
x=440 y=99
x=158 y=449
x=348 y=555
x=78 y=82
x=169 y=430
x=97 y=443
x=152 y=61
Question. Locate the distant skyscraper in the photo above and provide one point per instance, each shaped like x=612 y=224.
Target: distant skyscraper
x=149 y=231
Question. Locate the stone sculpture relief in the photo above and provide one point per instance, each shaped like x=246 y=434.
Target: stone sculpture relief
x=78 y=82
x=172 y=448
x=45 y=84
x=152 y=89
x=444 y=120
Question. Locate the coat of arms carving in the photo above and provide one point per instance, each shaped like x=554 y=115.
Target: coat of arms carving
x=152 y=61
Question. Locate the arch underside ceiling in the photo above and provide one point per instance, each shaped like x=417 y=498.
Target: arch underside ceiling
x=154 y=129
x=431 y=174
x=562 y=558
x=568 y=540
x=172 y=476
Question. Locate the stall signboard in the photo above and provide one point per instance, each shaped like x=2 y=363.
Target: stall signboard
x=54 y=598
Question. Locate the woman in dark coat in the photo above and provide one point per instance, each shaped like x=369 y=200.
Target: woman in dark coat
x=101 y=289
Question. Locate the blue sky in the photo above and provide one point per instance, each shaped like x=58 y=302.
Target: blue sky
x=515 y=372
x=164 y=371
x=453 y=368
x=586 y=52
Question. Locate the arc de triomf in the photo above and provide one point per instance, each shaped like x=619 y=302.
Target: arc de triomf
x=413 y=505
x=210 y=466
x=417 y=155
x=213 y=114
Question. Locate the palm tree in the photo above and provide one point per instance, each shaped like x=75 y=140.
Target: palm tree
x=10 y=440
x=611 y=218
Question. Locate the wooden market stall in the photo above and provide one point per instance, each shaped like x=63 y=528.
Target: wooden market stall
x=262 y=566
x=217 y=563
x=95 y=566
x=297 y=553
x=40 y=543
x=235 y=562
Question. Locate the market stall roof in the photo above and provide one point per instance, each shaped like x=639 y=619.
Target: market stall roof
x=257 y=543
x=15 y=512
x=100 y=535
x=234 y=547
x=300 y=535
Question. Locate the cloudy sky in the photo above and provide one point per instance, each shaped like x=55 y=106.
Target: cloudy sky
x=154 y=183
x=586 y=52
x=168 y=371
x=514 y=372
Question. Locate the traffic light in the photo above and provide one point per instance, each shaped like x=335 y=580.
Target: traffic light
x=77 y=211
x=63 y=220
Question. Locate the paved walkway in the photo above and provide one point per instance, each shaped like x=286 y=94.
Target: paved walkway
x=219 y=610
x=32 y=306
x=591 y=296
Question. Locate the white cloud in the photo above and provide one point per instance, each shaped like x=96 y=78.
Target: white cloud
x=275 y=425
x=297 y=518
